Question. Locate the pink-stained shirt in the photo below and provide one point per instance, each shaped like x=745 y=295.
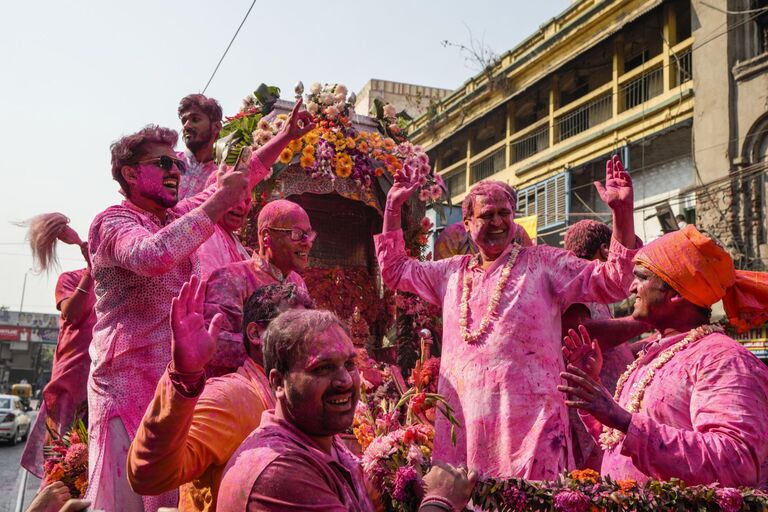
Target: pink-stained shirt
x=198 y=175
x=66 y=390
x=228 y=289
x=139 y=263
x=703 y=419
x=279 y=468
x=503 y=388
x=219 y=251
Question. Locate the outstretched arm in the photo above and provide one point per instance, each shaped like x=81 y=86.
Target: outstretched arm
x=618 y=194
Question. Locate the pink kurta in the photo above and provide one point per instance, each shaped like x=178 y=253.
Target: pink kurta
x=197 y=176
x=279 y=468
x=139 y=265
x=704 y=417
x=504 y=387
x=66 y=390
x=219 y=251
x=227 y=291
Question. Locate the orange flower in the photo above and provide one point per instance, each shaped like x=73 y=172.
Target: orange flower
x=626 y=485
x=306 y=161
x=285 y=156
x=312 y=137
x=362 y=146
x=343 y=166
x=81 y=483
x=585 y=475
x=389 y=144
x=295 y=145
x=308 y=151
x=350 y=142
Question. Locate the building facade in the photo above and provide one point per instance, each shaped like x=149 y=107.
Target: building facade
x=27 y=343
x=603 y=77
x=413 y=99
x=731 y=124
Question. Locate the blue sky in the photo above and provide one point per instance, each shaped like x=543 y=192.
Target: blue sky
x=77 y=75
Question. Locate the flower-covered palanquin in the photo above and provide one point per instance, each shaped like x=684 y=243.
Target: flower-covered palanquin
x=340 y=173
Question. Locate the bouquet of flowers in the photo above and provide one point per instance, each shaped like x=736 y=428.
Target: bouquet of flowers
x=335 y=149
x=397 y=434
x=66 y=458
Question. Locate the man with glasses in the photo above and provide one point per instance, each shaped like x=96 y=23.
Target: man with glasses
x=285 y=239
x=142 y=252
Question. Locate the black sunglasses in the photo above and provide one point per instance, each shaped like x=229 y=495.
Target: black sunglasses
x=164 y=162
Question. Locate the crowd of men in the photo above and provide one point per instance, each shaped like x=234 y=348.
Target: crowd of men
x=213 y=383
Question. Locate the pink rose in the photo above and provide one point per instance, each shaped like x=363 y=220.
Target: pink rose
x=341 y=89
x=389 y=110
x=315 y=88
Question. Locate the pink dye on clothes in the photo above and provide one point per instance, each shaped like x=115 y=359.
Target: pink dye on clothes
x=219 y=251
x=69 y=376
x=228 y=289
x=504 y=387
x=197 y=176
x=703 y=419
x=279 y=468
x=139 y=265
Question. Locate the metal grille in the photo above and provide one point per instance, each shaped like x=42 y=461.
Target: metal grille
x=641 y=89
x=547 y=200
x=489 y=165
x=456 y=182
x=584 y=117
x=530 y=144
x=684 y=67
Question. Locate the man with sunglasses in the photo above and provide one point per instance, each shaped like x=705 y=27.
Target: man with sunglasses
x=142 y=252
x=285 y=239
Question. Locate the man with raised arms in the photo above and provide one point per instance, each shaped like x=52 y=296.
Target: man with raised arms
x=501 y=325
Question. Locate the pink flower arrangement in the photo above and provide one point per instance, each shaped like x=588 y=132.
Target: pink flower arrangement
x=729 y=499
x=569 y=500
x=66 y=458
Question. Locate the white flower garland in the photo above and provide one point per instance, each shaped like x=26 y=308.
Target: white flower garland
x=611 y=436
x=493 y=304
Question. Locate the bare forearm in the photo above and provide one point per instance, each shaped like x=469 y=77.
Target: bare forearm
x=392 y=218
x=615 y=331
x=624 y=227
x=75 y=308
x=269 y=152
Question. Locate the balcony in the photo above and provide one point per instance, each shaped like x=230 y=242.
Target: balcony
x=631 y=102
x=489 y=164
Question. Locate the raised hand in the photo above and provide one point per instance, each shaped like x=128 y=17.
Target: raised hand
x=583 y=392
x=617 y=192
x=583 y=352
x=299 y=122
x=192 y=345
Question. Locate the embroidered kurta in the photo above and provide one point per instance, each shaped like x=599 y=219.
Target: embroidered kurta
x=187 y=441
x=228 y=289
x=197 y=176
x=503 y=387
x=66 y=390
x=279 y=468
x=703 y=419
x=139 y=264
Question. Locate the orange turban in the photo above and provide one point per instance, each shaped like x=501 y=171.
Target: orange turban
x=703 y=273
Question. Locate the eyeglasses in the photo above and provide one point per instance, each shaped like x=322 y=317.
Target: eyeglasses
x=164 y=162
x=297 y=234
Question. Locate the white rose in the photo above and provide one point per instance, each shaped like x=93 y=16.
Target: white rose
x=315 y=88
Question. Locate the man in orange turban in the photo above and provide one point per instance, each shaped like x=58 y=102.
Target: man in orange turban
x=694 y=405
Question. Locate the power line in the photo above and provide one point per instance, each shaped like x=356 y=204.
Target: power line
x=229 y=46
